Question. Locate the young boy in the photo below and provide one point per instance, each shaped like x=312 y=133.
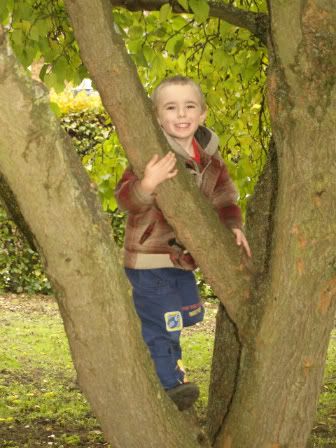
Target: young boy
x=158 y=266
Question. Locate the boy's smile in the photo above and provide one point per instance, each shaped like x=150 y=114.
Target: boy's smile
x=179 y=113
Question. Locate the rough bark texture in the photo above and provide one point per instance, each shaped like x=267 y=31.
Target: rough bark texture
x=281 y=368
x=224 y=372
x=105 y=56
x=56 y=199
x=227 y=347
x=256 y=23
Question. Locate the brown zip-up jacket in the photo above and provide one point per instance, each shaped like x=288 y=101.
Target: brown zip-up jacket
x=150 y=242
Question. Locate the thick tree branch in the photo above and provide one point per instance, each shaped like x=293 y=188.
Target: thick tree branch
x=56 y=199
x=227 y=350
x=256 y=23
x=104 y=54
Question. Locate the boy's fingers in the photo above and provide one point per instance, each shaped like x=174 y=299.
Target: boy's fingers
x=242 y=241
x=167 y=163
x=238 y=236
x=168 y=157
x=172 y=174
x=153 y=160
x=247 y=248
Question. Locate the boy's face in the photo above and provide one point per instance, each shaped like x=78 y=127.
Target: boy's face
x=179 y=111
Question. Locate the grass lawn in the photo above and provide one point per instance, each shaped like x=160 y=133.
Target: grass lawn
x=40 y=404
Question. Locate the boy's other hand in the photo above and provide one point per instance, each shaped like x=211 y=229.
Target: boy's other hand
x=242 y=241
x=157 y=171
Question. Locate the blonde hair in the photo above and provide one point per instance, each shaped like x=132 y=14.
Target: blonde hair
x=177 y=80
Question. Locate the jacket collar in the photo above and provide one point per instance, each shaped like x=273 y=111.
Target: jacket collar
x=206 y=138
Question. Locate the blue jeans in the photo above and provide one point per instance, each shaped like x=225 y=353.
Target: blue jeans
x=166 y=300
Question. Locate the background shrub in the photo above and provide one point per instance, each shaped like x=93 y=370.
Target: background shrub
x=93 y=136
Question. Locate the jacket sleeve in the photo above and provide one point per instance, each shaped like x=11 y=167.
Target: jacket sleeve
x=224 y=196
x=129 y=195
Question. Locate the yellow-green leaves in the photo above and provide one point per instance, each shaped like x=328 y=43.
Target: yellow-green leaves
x=174 y=45
x=6 y=8
x=200 y=8
x=184 y=4
x=165 y=12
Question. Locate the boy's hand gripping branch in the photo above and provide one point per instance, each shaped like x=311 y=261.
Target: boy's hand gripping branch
x=157 y=171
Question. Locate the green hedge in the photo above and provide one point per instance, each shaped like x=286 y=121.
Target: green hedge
x=94 y=139
x=20 y=266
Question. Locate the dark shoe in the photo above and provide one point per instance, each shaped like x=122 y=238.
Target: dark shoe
x=184 y=395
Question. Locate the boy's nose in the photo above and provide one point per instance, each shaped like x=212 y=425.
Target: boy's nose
x=181 y=112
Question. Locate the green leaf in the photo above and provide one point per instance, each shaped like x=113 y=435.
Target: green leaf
x=55 y=108
x=221 y=58
x=158 y=66
x=136 y=32
x=149 y=53
x=200 y=8
x=213 y=99
x=165 y=12
x=178 y=22
x=174 y=45
x=60 y=67
x=52 y=80
x=184 y=4
x=4 y=12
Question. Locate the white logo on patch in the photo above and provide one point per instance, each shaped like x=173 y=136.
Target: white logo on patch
x=174 y=321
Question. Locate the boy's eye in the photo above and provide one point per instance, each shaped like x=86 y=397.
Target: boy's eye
x=170 y=107
x=191 y=106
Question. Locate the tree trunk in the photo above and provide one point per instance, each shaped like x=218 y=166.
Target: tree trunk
x=56 y=199
x=281 y=368
x=227 y=347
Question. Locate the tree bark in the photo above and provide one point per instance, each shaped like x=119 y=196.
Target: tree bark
x=256 y=23
x=227 y=347
x=55 y=197
x=282 y=366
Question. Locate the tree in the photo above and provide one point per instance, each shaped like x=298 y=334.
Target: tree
x=278 y=314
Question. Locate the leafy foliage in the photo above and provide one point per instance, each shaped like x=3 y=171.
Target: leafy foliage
x=20 y=267
x=230 y=66
x=228 y=62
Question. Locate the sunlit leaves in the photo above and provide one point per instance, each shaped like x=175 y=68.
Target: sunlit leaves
x=174 y=45
x=41 y=30
x=183 y=3
x=200 y=8
x=227 y=61
x=165 y=12
x=6 y=8
x=105 y=166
